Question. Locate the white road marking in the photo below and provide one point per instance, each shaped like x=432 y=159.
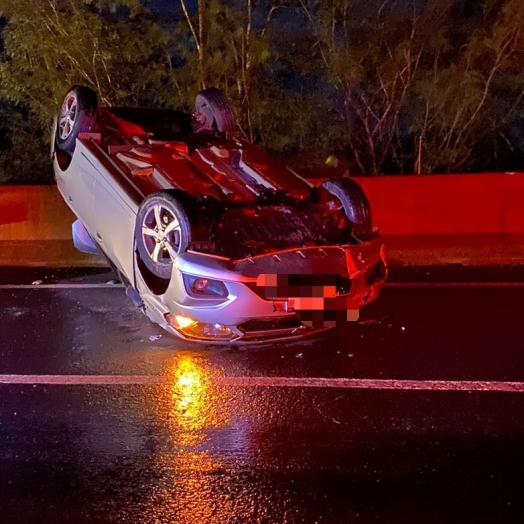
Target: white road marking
x=81 y=380
x=455 y=284
x=272 y=382
x=60 y=286
x=356 y=383
x=387 y=284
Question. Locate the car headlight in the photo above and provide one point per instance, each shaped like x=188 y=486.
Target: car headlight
x=200 y=330
x=199 y=287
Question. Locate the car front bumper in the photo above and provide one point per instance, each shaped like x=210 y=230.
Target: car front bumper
x=283 y=295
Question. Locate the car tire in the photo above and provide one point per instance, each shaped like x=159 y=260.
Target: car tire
x=77 y=115
x=212 y=110
x=354 y=202
x=162 y=232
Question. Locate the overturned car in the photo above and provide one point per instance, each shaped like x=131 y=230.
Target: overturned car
x=215 y=240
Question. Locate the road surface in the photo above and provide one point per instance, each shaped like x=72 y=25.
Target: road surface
x=414 y=414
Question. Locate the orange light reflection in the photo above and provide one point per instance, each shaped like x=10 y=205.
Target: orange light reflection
x=189 y=407
x=195 y=404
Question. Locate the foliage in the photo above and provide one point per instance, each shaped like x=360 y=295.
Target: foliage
x=53 y=44
x=383 y=85
x=50 y=45
x=421 y=89
x=19 y=134
x=462 y=102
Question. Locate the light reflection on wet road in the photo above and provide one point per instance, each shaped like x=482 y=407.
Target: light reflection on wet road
x=192 y=449
x=189 y=408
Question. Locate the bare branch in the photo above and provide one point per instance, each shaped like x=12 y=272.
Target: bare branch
x=191 y=26
x=310 y=17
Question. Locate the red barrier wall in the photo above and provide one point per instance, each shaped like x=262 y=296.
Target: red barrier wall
x=446 y=204
x=402 y=205
x=33 y=213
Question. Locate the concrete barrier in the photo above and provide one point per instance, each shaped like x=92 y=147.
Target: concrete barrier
x=30 y=213
x=35 y=229
x=491 y=203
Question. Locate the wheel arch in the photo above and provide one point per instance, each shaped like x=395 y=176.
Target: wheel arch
x=355 y=203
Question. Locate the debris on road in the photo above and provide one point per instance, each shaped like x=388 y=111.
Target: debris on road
x=154 y=338
x=369 y=322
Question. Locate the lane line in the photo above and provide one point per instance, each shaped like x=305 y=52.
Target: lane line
x=454 y=284
x=272 y=382
x=387 y=284
x=80 y=380
x=60 y=286
x=377 y=384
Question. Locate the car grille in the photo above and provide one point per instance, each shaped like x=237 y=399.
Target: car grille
x=271 y=328
x=270 y=323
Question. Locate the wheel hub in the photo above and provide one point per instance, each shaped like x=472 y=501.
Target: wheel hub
x=68 y=116
x=162 y=228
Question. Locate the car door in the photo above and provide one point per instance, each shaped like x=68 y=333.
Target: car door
x=76 y=184
x=115 y=210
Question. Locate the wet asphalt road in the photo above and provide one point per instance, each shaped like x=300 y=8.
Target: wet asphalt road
x=199 y=448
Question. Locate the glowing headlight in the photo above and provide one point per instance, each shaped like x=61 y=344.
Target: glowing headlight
x=200 y=330
x=181 y=322
x=204 y=287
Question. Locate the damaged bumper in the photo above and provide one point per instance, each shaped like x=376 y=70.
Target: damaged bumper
x=279 y=296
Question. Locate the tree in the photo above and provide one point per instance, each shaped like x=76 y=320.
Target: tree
x=19 y=134
x=53 y=44
x=469 y=97
x=50 y=45
x=372 y=61
x=391 y=87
